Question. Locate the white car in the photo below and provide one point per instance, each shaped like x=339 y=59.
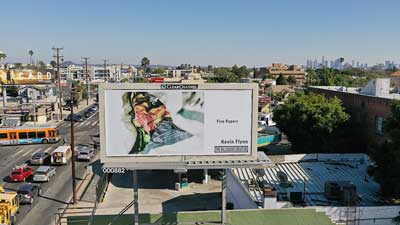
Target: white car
x=44 y=173
x=266 y=120
x=85 y=153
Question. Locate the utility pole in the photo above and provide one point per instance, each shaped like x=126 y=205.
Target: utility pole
x=34 y=108
x=120 y=73
x=87 y=81
x=73 y=144
x=106 y=77
x=59 y=80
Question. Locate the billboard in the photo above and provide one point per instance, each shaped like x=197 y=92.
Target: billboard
x=165 y=122
x=26 y=76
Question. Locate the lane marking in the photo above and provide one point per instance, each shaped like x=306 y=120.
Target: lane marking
x=26 y=153
x=92 y=115
x=48 y=149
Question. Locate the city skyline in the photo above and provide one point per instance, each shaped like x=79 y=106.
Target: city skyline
x=202 y=33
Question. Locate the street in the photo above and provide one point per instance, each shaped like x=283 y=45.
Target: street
x=57 y=192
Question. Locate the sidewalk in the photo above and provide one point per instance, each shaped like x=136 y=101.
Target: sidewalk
x=86 y=194
x=81 y=107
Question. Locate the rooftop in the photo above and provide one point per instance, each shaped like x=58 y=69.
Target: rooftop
x=254 y=217
x=356 y=90
x=306 y=170
x=379 y=88
x=395 y=74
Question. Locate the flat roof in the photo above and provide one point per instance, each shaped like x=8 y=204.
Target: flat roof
x=356 y=91
x=8 y=196
x=26 y=127
x=314 y=174
x=63 y=148
x=234 y=217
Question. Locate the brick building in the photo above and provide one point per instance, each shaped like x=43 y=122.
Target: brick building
x=369 y=105
x=277 y=69
x=395 y=79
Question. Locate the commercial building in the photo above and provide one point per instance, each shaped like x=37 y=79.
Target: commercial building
x=277 y=69
x=369 y=105
x=98 y=73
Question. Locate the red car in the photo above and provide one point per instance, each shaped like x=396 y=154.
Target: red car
x=20 y=173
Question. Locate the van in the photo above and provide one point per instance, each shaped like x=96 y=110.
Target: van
x=61 y=155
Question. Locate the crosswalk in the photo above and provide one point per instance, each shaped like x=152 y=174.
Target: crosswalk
x=24 y=152
x=80 y=124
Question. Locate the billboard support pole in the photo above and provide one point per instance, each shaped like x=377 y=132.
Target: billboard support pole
x=223 y=208
x=135 y=198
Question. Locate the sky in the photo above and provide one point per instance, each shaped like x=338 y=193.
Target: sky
x=206 y=32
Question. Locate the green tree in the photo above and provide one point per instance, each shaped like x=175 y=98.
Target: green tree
x=291 y=80
x=396 y=220
x=18 y=66
x=312 y=78
x=42 y=65
x=223 y=75
x=30 y=52
x=387 y=157
x=240 y=72
x=281 y=80
x=3 y=56
x=159 y=70
x=12 y=90
x=310 y=122
x=145 y=63
x=53 y=64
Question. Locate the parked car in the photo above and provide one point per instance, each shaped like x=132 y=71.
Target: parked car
x=92 y=110
x=27 y=193
x=85 y=153
x=67 y=107
x=44 y=173
x=40 y=158
x=75 y=117
x=87 y=113
x=21 y=173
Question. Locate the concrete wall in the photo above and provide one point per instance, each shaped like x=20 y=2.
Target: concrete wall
x=238 y=194
x=374 y=215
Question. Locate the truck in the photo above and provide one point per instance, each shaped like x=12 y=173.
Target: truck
x=9 y=206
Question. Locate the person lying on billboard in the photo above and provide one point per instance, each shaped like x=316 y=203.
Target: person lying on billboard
x=153 y=122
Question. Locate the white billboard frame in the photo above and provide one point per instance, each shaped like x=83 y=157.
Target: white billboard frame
x=176 y=159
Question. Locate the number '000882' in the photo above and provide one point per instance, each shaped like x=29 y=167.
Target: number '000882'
x=113 y=170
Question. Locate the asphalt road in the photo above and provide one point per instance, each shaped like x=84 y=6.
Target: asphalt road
x=57 y=192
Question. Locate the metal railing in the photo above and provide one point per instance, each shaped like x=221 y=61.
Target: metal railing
x=102 y=186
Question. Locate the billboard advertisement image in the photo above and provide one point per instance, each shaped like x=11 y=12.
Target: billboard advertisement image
x=156 y=120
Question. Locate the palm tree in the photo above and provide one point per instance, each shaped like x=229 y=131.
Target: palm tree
x=145 y=62
x=31 y=54
x=2 y=56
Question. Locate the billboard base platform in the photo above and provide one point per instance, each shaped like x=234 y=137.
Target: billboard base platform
x=262 y=161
